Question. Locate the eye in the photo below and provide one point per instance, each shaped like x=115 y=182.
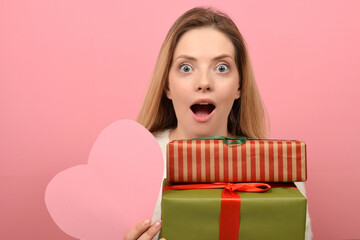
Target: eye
x=185 y=68
x=223 y=68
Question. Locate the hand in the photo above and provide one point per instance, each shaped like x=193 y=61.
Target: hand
x=143 y=231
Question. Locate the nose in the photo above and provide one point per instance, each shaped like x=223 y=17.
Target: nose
x=204 y=83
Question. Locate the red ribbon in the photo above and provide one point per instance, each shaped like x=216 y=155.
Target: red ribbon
x=230 y=203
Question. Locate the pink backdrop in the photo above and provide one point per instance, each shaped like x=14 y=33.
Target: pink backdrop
x=69 y=68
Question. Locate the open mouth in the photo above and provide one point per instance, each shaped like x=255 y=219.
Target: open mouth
x=202 y=109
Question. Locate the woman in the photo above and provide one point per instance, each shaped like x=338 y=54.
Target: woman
x=202 y=85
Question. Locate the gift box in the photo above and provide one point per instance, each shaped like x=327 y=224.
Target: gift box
x=226 y=214
x=227 y=160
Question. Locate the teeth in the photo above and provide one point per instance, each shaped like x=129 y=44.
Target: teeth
x=203 y=103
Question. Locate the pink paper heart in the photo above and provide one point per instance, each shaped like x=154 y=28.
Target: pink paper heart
x=116 y=189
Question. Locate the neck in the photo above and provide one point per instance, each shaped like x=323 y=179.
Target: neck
x=175 y=134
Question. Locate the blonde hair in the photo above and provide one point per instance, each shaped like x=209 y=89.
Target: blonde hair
x=247 y=116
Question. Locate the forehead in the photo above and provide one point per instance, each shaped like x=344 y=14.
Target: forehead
x=204 y=43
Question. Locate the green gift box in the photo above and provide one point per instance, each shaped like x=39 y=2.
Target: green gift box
x=279 y=213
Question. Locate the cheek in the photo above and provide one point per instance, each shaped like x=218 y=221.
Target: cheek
x=229 y=91
x=236 y=89
x=179 y=95
x=179 y=88
x=227 y=99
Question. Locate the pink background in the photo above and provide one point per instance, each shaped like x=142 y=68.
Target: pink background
x=70 y=68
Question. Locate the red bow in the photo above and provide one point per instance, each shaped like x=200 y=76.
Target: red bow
x=230 y=203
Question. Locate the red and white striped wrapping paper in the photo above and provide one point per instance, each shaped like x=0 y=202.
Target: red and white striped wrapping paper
x=253 y=161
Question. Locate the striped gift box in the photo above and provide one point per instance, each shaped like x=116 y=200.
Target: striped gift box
x=211 y=160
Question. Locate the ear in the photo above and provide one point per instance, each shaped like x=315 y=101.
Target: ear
x=237 y=95
x=168 y=93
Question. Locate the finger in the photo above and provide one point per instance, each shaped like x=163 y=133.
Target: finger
x=151 y=232
x=135 y=232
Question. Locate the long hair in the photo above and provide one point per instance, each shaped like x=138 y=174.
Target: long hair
x=247 y=116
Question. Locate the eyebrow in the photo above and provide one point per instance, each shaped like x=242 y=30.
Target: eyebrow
x=215 y=58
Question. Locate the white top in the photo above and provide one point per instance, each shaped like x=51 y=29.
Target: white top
x=163 y=139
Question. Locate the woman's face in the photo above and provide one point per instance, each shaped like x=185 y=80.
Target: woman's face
x=203 y=83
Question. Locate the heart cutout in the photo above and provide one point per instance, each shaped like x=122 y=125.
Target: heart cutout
x=116 y=189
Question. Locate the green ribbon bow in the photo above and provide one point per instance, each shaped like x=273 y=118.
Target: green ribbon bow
x=226 y=140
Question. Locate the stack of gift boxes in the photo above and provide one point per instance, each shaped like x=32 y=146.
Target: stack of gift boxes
x=221 y=188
